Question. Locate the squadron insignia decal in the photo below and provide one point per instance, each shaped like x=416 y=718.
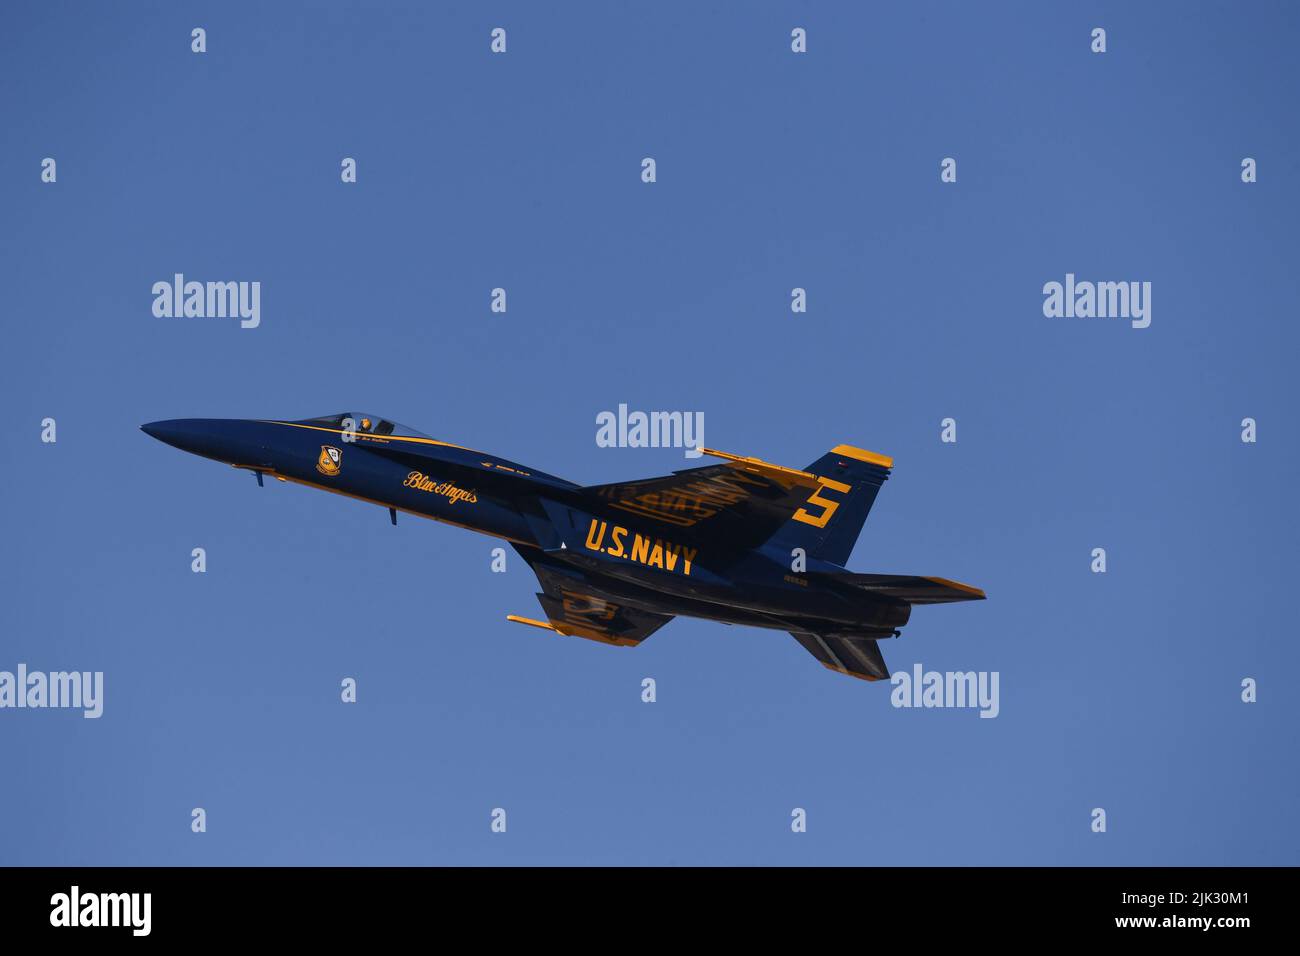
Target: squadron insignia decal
x=330 y=461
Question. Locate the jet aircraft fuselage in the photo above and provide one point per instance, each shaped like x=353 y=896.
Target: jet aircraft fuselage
x=743 y=542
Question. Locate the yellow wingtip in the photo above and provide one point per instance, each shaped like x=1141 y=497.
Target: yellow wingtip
x=759 y=466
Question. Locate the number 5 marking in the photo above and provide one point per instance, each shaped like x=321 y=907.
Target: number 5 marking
x=828 y=507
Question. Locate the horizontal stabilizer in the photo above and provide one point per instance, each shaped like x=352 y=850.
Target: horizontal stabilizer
x=856 y=656
x=913 y=589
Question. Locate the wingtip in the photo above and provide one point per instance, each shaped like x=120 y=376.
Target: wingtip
x=759 y=466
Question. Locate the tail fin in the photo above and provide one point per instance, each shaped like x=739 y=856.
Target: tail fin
x=828 y=525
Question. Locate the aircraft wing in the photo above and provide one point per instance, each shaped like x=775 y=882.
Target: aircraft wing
x=856 y=656
x=576 y=609
x=742 y=502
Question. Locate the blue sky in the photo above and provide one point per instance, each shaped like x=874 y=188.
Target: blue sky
x=775 y=170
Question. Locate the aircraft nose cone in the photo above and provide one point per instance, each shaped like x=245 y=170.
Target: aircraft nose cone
x=229 y=440
x=187 y=434
x=164 y=431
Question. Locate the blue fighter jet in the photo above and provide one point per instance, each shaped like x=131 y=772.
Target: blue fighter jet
x=741 y=542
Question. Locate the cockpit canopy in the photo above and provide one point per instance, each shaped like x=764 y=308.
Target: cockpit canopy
x=364 y=424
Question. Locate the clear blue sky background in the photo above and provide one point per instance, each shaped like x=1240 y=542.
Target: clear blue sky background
x=822 y=171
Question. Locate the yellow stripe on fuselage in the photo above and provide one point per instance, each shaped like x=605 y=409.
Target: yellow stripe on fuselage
x=367 y=436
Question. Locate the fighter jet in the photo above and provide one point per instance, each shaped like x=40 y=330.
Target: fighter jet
x=742 y=542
